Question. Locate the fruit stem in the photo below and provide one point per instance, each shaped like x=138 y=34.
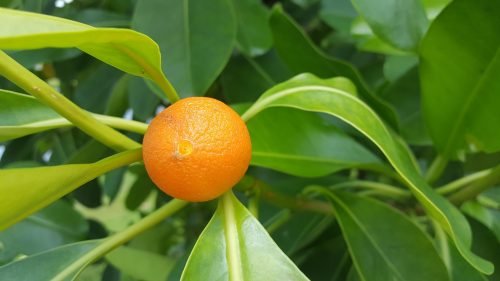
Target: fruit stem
x=232 y=240
x=32 y=84
x=121 y=238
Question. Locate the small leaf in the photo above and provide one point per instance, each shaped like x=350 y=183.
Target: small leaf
x=460 y=97
x=196 y=37
x=235 y=245
x=309 y=93
x=253 y=36
x=55 y=225
x=140 y=264
x=24 y=191
x=47 y=265
x=301 y=55
x=383 y=243
x=401 y=23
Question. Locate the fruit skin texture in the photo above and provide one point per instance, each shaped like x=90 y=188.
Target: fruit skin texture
x=196 y=149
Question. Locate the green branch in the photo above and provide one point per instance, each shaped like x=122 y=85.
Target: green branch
x=121 y=238
x=29 y=82
x=475 y=188
x=436 y=169
x=378 y=188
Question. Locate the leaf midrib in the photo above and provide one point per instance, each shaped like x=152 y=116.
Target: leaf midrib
x=370 y=239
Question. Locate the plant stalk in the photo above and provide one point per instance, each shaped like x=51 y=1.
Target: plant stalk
x=436 y=169
x=476 y=187
x=32 y=84
x=121 y=238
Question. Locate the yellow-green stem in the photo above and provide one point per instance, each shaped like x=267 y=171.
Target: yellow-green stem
x=32 y=84
x=121 y=238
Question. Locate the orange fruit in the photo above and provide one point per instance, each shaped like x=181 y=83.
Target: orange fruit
x=196 y=149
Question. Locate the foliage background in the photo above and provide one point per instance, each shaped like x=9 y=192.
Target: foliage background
x=431 y=77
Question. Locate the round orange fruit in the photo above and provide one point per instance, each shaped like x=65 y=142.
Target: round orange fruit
x=196 y=149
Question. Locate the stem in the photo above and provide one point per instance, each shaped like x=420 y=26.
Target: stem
x=278 y=220
x=28 y=81
x=121 y=238
x=476 y=187
x=381 y=188
x=442 y=241
x=232 y=240
x=457 y=184
x=285 y=201
x=436 y=169
x=253 y=204
x=122 y=124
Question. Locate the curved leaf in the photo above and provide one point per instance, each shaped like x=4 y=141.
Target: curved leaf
x=22 y=115
x=461 y=96
x=307 y=92
x=234 y=246
x=55 y=225
x=401 y=23
x=253 y=36
x=382 y=251
x=301 y=55
x=47 y=265
x=125 y=49
x=197 y=38
x=302 y=144
x=24 y=191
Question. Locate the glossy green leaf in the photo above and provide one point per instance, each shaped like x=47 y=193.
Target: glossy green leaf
x=22 y=115
x=487 y=216
x=401 y=23
x=55 y=225
x=253 y=35
x=234 y=246
x=306 y=92
x=141 y=99
x=380 y=250
x=24 y=191
x=124 y=49
x=196 y=37
x=366 y=40
x=404 y=95
x=301 y=55
x=460 y=96
x=140 y=264
x=47 y=265
x=304 y=144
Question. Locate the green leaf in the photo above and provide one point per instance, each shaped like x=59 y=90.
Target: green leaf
x=304 y=144
x=22 y=115
x=253 y=35
x=24 y=191
x=196 y=37
x=309 y=93
x=487 y=216
x=127 y=50
x=404 y=95
x=401 y=23
x=141 y=99
x=385 y=251
x=54 y=226
x=140 y=264
x=234 y=246
x=301 y=55
x=47 y=265
x=460 y=96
